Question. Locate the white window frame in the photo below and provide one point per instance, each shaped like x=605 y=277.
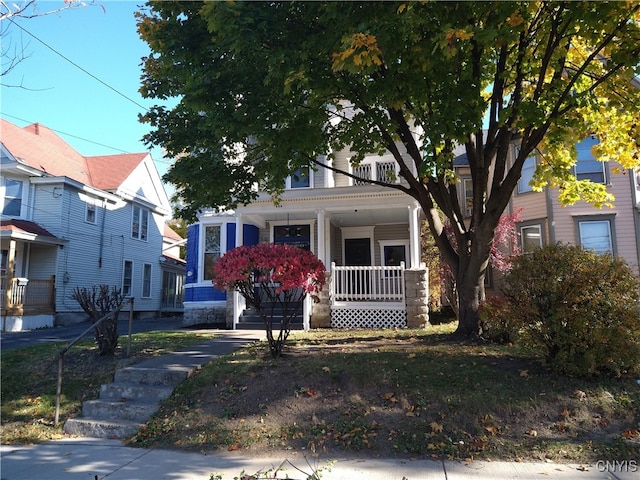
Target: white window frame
x=597 y=219
x=203 y=243
x=142 y=215
x=147 y=280
x=126 y=293
x=22 y=198
x=466 y=198
x=289 y=181
x=395 y=243
x=522 y=236
x=91 y=205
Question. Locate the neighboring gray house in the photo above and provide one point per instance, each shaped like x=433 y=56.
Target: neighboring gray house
x=73 y=221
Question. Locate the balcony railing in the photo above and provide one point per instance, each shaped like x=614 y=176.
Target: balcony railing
x=380 y=171
x=367 y=284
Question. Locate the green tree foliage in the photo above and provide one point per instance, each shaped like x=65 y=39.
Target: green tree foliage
x=265 y=88
x=581 y=310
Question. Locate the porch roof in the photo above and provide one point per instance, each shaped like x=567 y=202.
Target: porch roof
x=344 y=206
x=27 y=231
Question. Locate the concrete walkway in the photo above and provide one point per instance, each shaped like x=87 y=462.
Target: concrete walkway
x=91 y=459
x=104 y=459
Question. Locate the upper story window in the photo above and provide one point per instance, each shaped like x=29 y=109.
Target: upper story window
x=528 y=169
x=12 y=197
x=381 y=171
x=91 y=215
x=301 y=178
x=467 y=184
x=140 y=223
x=587 y=166
x=212 y=249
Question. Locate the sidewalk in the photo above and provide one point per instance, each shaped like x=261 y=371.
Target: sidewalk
x=90 y=459
x=103 y=459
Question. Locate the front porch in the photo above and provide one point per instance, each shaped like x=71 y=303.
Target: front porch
x=358 y=297
x=27 y=303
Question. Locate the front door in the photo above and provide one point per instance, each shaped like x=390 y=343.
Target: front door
x=357 y=251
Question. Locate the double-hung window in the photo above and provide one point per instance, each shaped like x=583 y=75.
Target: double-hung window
x=146 y=280
x=596 y=234
x=301 y=178
x=528 y=169
x=212 y=249
x=587 y=166
x=90 y=212
x=140 y=223
x=530 y=238
x=127 y=278
x=12 y=197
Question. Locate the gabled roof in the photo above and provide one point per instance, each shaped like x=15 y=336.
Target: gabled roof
x=171 y=234
x=110 y=171
x=39 y=147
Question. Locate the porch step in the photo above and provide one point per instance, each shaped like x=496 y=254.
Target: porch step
x=251 y=320
x=101 y=428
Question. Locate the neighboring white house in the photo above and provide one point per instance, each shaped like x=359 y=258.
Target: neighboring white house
x=368 y=237
x=72 y=221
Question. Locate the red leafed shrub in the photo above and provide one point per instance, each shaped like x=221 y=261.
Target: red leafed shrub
x=283 y=275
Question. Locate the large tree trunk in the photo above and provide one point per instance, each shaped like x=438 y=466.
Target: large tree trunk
x=470 y=294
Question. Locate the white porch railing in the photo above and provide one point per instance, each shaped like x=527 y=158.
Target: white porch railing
x=367 y=284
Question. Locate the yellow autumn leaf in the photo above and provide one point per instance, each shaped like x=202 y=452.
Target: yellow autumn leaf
x=436 y=427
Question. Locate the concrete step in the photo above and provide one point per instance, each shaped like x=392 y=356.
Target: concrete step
x=123 y=410
x=151 y=376
x=140 y=393
x=101 y=428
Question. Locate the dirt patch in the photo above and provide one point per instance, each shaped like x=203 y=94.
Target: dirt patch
x=411 y=396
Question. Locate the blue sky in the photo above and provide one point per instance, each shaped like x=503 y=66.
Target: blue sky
x=46 y=88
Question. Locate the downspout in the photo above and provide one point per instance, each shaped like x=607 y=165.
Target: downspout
x=104 y=216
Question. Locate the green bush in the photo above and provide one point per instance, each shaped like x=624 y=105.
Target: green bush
x=496 y=322
x=578 y=308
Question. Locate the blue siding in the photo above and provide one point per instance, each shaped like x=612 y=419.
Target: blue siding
x=193 y=233
x=231 y=236
x=204 y=294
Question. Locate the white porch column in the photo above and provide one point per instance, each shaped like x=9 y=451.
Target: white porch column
x=239 y=237
x=322 y=243
x=414 y=236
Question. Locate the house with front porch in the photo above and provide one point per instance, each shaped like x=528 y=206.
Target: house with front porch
x=73 y=221
x=368 y=237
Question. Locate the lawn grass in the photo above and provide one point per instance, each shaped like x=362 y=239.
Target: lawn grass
x=29 y=376
x=398 y=392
